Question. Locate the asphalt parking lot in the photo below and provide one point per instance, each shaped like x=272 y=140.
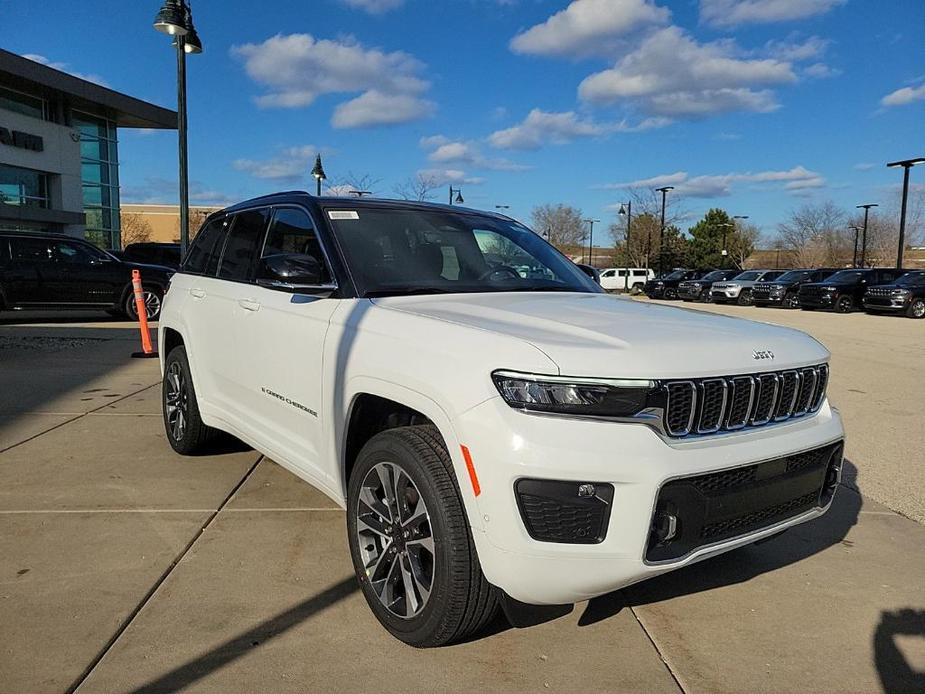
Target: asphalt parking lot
x=124 y=567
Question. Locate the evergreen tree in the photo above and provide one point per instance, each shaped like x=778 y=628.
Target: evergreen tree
x=706 y=243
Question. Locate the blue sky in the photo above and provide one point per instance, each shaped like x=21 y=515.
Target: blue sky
x=757 y=106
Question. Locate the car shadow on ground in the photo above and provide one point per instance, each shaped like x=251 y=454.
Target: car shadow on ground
x=58 y=317
x=896 y=674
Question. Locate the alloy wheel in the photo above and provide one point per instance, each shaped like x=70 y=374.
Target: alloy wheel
x=395 y=539
x=792 y=301
x=918 y=308
x=176 y=401
x=152 y=305
x=844 y=304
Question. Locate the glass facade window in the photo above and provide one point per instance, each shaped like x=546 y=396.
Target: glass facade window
x=23 y=187
x=99 y=173
x=22 y=103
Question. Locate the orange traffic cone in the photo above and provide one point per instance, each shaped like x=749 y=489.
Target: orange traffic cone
x=147 y=349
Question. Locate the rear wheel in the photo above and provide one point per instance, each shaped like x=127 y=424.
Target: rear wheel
x=671 y=294
x=152 y=297
x=410 y=543
x=791 y=300
x=843 y=303
x=916 y=309
x=182 y=422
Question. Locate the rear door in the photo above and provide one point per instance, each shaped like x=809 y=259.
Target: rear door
x=28 y=272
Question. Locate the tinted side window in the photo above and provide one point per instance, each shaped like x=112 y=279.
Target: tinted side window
x=197 y=257
x=30 y=249
x=243 y=245
x=292 y=231
x=74 y=253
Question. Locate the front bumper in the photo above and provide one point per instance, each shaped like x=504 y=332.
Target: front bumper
x=692 y=293
x=725 y=294
x=507 y=446
x=817 y=300
x=654 y=292
x=768 y=298
x=886 y=304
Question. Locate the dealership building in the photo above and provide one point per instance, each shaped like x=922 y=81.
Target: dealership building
x=59 y=153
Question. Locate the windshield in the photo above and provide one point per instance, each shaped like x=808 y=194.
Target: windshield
x=716 y=275
x=676 y=275
x=393 y=251
x=795 y=275
x=911 y=279
x=748 y=276
x=846 y=276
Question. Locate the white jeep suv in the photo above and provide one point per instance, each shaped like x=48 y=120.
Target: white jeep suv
x=493 y=438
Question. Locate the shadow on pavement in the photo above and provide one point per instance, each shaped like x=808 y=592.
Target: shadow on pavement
x=896 y=675
x=742 y=564
x=241 y=645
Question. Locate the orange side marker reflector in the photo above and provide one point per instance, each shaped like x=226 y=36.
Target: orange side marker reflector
x=471 y=468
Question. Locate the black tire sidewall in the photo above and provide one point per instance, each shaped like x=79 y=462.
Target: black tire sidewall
x=129 y=304
x=838 y=304
x=178 y=354
x=387 y=447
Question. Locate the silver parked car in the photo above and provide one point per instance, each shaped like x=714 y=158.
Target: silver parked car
x=739 y=288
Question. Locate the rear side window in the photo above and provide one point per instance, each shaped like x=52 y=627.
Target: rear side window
x=31 y=249
x=292 y=231
x=200 y=252
x=243 y=245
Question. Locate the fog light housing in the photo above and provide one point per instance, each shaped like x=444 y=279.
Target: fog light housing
x=563 y=511
x=665 y=524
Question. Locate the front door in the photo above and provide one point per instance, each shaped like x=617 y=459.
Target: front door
x=282 y=335
x=83 y=274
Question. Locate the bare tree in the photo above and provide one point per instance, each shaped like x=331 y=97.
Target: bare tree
x=645 y=226
x=560 y=224
x=419 y=187
x=352 y=183
x=135 y=228
x=743 y=243
x=817 y=235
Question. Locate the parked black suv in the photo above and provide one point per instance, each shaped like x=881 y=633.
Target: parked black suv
x=784 y=291
x=166 y=254
x=905 y=295
x=667 y=287
x=55 y=271
x=699 y=290
x=844 y=291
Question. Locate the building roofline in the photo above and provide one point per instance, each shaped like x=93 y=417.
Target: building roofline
x=125 y=110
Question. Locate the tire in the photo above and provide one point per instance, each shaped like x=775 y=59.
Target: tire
x=745 y=298
x=182 y=423
x=459 y=601
x=791 y=300
x=671 y=294
x=154 y=299
x=916 y=309
x=843 y=303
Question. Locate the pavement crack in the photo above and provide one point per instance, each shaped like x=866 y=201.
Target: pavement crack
x=658 y=651
x=160 y=581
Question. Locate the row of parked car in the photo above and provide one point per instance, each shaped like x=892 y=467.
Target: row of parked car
x=875 y=290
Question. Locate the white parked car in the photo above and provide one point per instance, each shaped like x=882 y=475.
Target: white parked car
x=494 y=439
x=626 y=278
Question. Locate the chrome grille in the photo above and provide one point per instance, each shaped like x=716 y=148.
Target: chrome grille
x=709 y=405
x=880 y=291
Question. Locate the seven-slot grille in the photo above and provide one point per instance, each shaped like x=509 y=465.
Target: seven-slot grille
x=880 y=291
x=708 y=405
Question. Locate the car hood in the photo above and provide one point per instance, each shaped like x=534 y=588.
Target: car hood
x=606 y=336
x=146 y=267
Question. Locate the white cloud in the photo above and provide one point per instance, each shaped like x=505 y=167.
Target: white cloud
x=446 y=151
x=798 y=178
x=374 y=6
x=670 y=74
x=442 y=177
x=377 y=108
x=157 y=190
x=729 y=13
x=290 y=165
x=64 y=67
x=297 y=68
x=588 y=26
x=793 y=50
x=820 y=71
x=904 y=96
x=541 y=128
x=863 y=166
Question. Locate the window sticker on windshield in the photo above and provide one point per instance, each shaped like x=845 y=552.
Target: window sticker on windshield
x=342 y=214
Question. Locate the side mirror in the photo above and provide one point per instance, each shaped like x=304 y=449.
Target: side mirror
x=591 y=272
x=294 y=272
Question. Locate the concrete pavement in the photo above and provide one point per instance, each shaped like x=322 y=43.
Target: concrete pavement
x=124 y=567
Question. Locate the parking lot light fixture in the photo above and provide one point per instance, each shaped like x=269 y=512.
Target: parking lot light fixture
x=854 y=258
x=502 y=207
x=176 y=19
x=864 y=232
x=319 y=174
x=459 y=198
x=906 y=164
x=661 y=231
x=591 y=238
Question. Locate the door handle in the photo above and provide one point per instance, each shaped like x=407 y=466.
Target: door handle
x=249 y=304
x=197 y=293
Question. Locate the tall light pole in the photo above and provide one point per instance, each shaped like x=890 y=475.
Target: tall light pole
x=590 y=238
x=725 y=253
x=459 y=197
x=906 y=164
x=854 y=258
x=627 y=209
x=864 y=234
x=318 y=173
x=661 y=231
x=175 y=19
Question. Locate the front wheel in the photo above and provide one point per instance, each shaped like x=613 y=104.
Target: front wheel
x=916 y=309
x=843 y=304
x=410 y=543
x=745 y=298
x=791 y=300
x=671 y=294
x=153 y=299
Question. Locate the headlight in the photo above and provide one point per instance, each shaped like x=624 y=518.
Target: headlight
x=901 y=292
x=574 y=395
x=732 y=285
x=830 y=289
